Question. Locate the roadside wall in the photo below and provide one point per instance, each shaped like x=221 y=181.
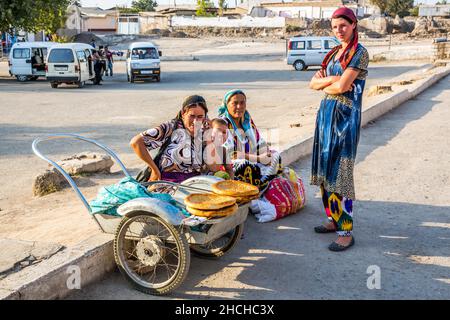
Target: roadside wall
x=225 y=22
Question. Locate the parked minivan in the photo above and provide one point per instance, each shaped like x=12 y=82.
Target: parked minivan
x=27 y=60
x=69 y=63
x=303 y=52
x=143 y=61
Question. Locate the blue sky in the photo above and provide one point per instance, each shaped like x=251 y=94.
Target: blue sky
x=112 y=3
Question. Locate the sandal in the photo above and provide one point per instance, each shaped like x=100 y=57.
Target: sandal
x=338 y=247
x=323 y=229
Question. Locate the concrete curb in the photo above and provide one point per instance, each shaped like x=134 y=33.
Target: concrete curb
x=94 y=257
x=49 y=279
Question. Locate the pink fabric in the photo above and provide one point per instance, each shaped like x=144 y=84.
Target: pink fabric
x=287 y=197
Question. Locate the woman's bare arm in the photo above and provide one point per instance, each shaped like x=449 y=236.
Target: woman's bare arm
x=321 y=81
x=138 y=145
x=344 y=84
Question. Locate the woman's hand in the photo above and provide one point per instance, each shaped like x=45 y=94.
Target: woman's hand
x=155 y=175
x=320 y=74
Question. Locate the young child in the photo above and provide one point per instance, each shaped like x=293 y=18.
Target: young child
x=216 y=157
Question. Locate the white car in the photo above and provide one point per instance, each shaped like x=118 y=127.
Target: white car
x=143 y=61
x=303 y=52
x=69 y=63
x=27 y=60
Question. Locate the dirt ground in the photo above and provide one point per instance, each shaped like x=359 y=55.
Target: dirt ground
x=278 y=97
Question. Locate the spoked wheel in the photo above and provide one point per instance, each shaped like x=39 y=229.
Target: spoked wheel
x=152 y=255
x=220 y=246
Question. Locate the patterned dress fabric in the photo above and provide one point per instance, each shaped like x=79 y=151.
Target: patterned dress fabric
x=183 y=154
x=337 y=131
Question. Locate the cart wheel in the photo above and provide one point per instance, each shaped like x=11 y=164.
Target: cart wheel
x=151 y=254
x=220 y=246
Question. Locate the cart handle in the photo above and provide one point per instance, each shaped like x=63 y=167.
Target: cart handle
x=174 y=184
x=62 y=171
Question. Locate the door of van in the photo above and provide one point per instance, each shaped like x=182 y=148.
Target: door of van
x=61 y=63
x=315 y=54
x=21 y=61
x=83 y=65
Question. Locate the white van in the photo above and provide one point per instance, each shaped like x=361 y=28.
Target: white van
x=27 y=60
x=303 y=52
x=143 y=61
x=69 y=63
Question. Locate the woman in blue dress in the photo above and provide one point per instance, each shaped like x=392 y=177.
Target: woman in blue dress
x=342 y=79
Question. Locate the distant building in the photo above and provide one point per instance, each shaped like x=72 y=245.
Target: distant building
x=302 y=9
x=438 y=10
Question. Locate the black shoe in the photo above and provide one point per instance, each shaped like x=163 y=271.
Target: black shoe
x=323 y=229
x=337 y=247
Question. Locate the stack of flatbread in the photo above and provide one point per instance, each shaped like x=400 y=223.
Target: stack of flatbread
x=210 y=205
x=243 y=192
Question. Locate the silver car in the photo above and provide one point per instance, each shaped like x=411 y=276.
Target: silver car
x=303 y=52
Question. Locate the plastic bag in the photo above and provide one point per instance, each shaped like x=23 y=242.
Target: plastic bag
x=287 y=195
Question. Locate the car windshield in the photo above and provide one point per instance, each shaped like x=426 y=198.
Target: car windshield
x=144 y=53
x=61 y=56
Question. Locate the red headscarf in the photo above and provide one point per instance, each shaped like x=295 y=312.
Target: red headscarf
x=350 y=50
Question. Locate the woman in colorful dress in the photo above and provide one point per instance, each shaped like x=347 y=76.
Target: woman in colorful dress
x=342 y=79
x=252 y=159
x=180 y=141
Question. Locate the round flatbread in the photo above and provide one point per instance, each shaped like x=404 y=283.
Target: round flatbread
x=241 y=200
x=206 y=201
x=214 y=213
x=234 y=188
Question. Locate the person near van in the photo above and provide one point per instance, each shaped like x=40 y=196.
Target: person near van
x=342 y=79
x=253 y=161
x=109 y=58
x=179 y=141
x=97 y=67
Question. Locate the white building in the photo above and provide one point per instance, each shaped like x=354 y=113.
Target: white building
x=438 y=10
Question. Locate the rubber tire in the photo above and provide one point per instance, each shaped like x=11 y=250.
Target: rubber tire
x=54 y=85
x=185 y=257
x=158 y=79
x=132 y=79
x=299 y=65
x=227 y=248
x=80 y=84
x=22 y=78
x=128 y=77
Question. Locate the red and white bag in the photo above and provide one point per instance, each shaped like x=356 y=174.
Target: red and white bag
x=287 y=194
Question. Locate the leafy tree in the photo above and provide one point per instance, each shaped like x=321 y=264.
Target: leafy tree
x=144 y=5
x=33 y=15
x=222 y=6
x=399 y=7
x=202 y=6
x=382 y=4
x=124 y=9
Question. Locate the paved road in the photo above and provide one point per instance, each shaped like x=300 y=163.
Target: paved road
x=402 y=226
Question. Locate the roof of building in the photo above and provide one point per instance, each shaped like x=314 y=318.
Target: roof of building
x=95 y=12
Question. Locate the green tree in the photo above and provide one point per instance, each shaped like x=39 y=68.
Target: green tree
x=202 y=6
x=124 y=9
x=382 y=4
x=399 y=7
x=144 y=5
x=33 y=15
x=222 y=6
